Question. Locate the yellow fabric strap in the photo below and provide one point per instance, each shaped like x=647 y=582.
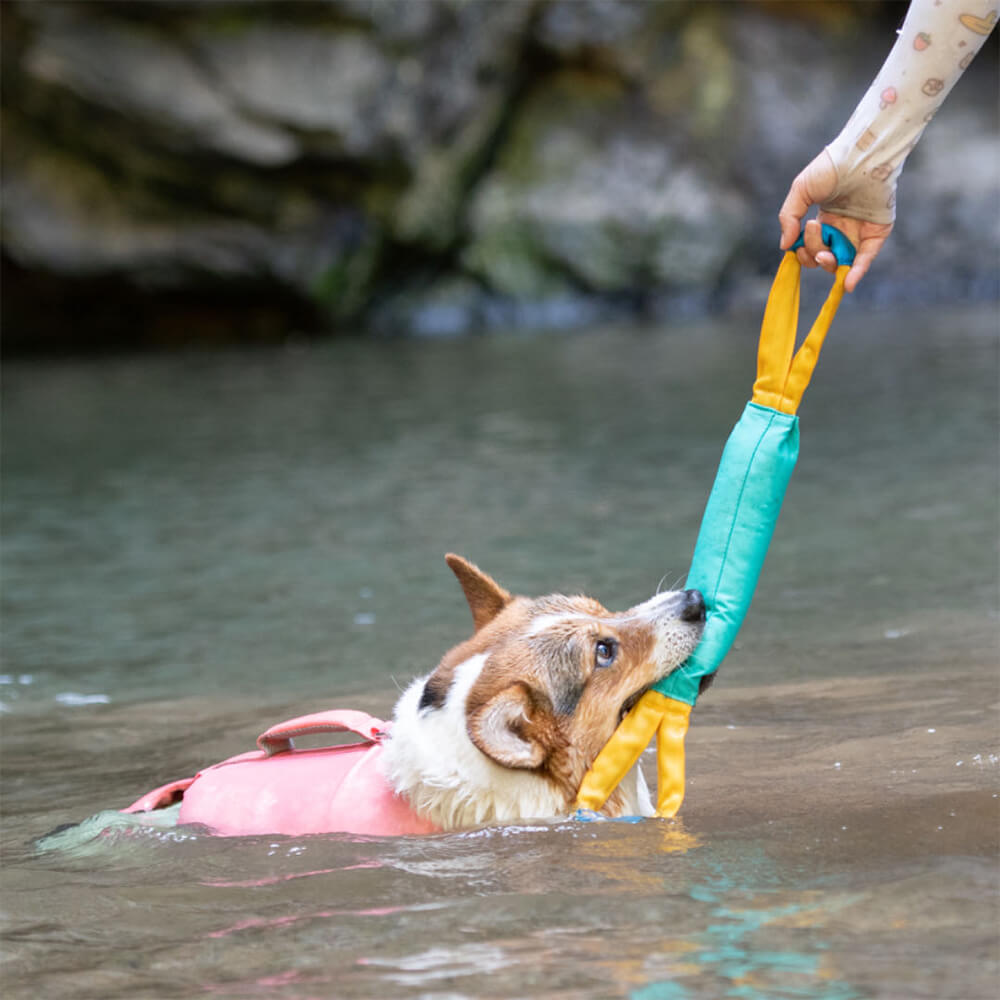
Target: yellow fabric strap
x=620 y=752
x=652 y=713
x=782 y=378
x=670 y=758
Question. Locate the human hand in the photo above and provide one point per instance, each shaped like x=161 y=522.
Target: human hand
x=814 y=184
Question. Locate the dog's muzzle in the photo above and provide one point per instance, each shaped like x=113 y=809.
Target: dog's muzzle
x=693 y=606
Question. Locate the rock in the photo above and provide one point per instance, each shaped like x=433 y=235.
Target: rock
x=214 y=146
x=144 y=75
x=435 y=166
x=594 y=191
x=328 y=84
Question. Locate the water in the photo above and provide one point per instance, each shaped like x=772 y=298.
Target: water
x=196 y=546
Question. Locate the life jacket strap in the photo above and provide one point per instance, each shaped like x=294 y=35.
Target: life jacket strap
x=279 y=738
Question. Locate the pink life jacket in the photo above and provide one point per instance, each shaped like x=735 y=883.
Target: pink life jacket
x=278 y=789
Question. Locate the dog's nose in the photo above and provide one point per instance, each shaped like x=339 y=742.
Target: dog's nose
x=693 y=608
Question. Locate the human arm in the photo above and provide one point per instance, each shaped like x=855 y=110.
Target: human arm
x=854 y=179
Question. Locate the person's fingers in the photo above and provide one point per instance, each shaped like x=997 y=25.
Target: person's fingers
x=817 y=251
x=813 y=238
x=807 y=252
x=795 y=205
x=867 y=237
x=867 y=252
x=858 y=270
x=806 y=259
x=816 y=182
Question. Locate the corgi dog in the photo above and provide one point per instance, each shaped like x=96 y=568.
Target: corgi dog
x=511 y=720
x=504 y=729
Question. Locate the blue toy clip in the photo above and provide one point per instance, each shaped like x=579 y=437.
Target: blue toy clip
x=839 y=244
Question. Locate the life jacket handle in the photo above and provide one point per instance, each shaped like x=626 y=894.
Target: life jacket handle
x=278 y=739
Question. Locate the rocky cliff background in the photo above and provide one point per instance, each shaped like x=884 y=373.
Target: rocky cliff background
x=176 y=170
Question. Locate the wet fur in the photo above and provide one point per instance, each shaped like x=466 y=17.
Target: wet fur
x=509 y=723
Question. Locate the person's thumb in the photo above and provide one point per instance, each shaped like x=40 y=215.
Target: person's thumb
x=792 y=210
x=816 y=182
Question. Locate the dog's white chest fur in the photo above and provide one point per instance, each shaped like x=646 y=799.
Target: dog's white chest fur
x=433 y=763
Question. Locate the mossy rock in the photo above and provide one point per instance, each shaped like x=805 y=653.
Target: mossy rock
x=593 y=191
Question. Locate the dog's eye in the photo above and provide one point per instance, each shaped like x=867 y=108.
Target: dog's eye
x=607 y=650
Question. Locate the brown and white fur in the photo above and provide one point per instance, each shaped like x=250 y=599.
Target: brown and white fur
x=509 y=723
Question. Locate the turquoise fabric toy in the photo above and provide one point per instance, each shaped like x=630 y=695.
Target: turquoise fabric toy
x=736 y=530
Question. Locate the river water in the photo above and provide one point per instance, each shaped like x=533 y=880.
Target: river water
x=198 y=545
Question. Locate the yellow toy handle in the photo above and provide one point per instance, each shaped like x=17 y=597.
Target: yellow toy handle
x=652 y=713
x=782 y=378
x=622 y=751
x=670 y=758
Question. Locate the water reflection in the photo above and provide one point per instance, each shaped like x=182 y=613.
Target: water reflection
x=728 y=956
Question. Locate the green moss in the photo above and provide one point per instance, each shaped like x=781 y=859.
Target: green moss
x=569 y=101
x=708 y=58
x=510 y=257
x=342 y=289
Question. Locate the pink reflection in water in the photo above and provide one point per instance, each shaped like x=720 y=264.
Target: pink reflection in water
x=269 y=922
x=274 y=879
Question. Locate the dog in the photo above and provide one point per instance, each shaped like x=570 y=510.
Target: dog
x=505 y=727
x=511 y=720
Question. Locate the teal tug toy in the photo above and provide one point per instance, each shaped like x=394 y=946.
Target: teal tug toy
x=736 y=530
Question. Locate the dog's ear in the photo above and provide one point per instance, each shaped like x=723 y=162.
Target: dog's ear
x=508 y=729
x=485 y=596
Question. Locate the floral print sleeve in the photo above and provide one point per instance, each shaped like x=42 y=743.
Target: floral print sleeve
x=938 y=40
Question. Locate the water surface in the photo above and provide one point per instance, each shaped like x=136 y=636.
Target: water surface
x=196 y=546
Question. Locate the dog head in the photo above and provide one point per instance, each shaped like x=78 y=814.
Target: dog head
x=561 y=672
x=543 y=682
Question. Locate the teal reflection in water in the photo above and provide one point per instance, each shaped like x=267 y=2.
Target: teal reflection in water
x=726 y=953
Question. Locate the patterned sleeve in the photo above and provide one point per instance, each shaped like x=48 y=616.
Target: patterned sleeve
x=938 y=40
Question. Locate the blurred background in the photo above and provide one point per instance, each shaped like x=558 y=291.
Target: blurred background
x=178 y=171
